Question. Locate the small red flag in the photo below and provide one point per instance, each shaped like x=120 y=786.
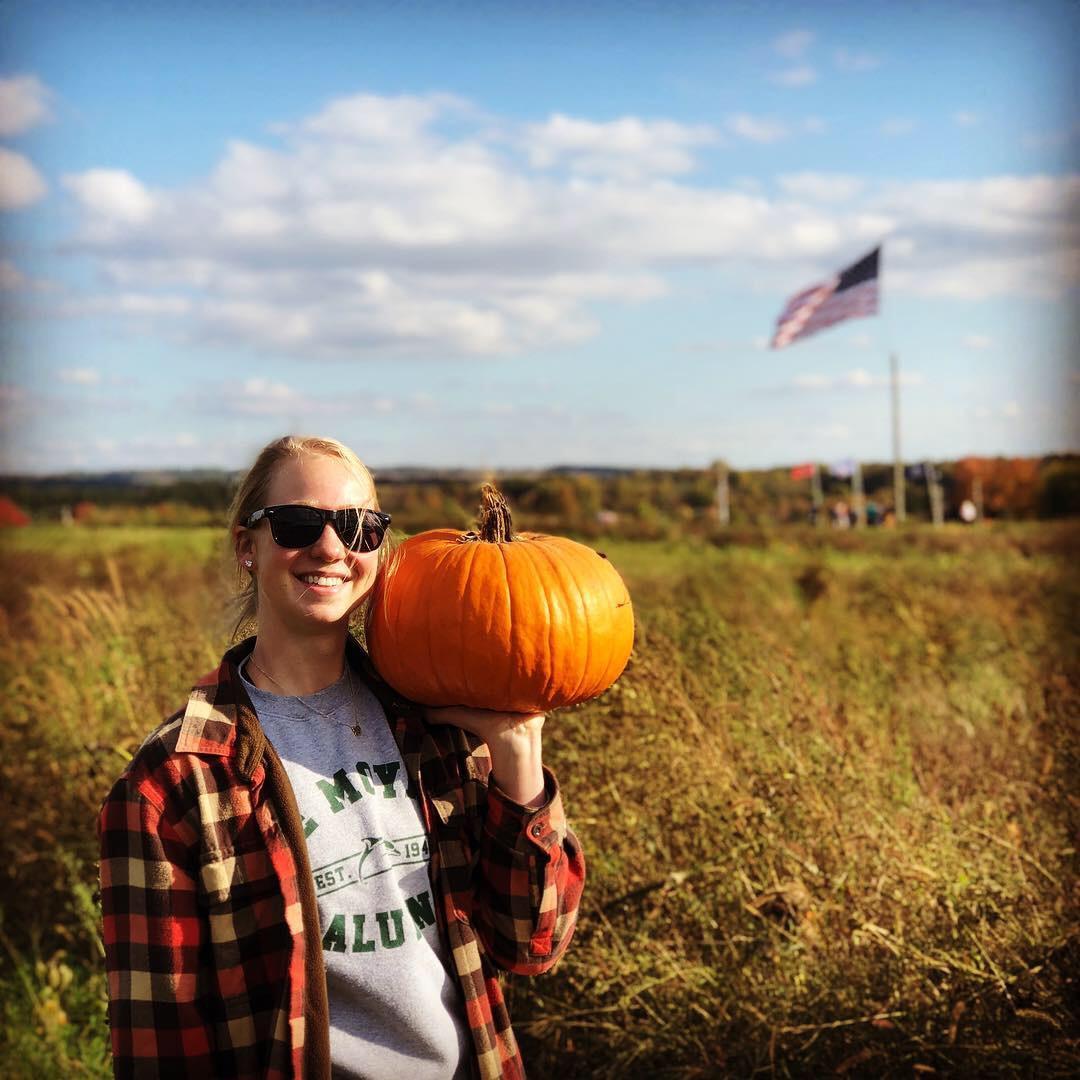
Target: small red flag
x=802 y=472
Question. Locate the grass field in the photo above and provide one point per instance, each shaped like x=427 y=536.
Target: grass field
x=830 y=811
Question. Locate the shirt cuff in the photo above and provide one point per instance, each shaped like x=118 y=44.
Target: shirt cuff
x=508 y=821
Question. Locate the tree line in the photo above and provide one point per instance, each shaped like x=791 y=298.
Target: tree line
x=646 y=503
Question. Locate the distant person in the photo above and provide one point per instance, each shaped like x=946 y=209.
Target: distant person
x=301 y=872
x=873 y=514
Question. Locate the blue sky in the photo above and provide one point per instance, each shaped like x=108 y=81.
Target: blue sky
x=472 y=234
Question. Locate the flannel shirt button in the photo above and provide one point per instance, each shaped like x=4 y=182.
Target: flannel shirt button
x=537 y=830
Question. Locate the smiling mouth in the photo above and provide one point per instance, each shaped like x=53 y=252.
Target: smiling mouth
x=322 y=580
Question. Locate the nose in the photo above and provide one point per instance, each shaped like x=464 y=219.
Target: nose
x=329 y=546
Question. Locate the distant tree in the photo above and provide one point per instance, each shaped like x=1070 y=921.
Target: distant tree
x=1059 y=488
x=1009 y=485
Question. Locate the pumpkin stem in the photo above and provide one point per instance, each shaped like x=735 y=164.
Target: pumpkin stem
x=494 y=524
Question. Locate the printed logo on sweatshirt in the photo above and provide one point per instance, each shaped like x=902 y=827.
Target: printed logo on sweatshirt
x=356 y=932
x=378 y=857
x=381 y=780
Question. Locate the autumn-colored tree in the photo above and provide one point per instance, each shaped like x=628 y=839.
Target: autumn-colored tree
x=1010 y=486
x=83 y=511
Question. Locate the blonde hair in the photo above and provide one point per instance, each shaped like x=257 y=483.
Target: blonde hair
x=251 y=495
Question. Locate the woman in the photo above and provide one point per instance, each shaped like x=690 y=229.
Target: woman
x=301 y=872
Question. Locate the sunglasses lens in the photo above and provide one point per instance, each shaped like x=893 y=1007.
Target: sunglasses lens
x=296 y=526
x=360 y=531
x=301 y=526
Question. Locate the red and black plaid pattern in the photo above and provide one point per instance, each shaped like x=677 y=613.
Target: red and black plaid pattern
x=209 y=906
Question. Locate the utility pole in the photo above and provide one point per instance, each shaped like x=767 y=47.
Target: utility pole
x=935 y=494
x=723 y=494
x=858 y=497
x=898 y=464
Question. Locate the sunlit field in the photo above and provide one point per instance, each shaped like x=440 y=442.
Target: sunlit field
x=830 y=811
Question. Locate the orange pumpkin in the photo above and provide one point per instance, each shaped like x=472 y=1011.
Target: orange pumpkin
x=497 y=620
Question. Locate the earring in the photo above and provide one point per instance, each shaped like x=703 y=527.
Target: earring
x=247 y=563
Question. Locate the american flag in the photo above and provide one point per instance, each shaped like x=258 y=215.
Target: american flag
x=851 y=294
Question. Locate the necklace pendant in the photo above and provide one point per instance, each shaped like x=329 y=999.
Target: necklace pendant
x=357 y=730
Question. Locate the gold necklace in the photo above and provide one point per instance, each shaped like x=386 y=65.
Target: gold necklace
x=356 y=729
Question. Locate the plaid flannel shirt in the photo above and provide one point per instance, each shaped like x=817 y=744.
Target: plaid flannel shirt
x=211 y=928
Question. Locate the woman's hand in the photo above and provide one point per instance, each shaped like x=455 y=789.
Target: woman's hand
x=514 y=742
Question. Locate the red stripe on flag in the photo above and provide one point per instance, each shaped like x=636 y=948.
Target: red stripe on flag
x=820 y=306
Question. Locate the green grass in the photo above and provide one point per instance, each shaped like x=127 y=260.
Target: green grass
x=830 y=810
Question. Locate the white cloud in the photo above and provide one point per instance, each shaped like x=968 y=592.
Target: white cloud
x=965 y=118
x=1010 y=410
x=978 y=341
x=759 y=129
x=345 y=246
x=822 y=187
x=794 y=43
x=370 y=118
x=79 y=376
x=897 y=125
x=21 y=185
x=855 y=60
x=800 y=75
x=977 y=238
x=626 y=148
x=112 y=196
x=24 y=103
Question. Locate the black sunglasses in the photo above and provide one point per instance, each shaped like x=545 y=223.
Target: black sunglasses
x=299 y=526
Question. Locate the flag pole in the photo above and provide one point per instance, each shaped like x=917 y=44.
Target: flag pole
x=898 y=464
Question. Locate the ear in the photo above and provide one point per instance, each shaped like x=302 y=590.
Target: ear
x=243 y=544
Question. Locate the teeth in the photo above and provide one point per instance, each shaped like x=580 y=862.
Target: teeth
x=318 y=579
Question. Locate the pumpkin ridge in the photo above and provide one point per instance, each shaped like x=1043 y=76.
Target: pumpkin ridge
x=466 y=574
x=510 y=673
x=460 y=564
x=558 y=573
x=524 y=561
x=429 y=613
x=604 y=580
x=583 y=568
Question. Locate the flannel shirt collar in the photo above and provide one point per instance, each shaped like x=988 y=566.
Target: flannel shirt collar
x=220 y=720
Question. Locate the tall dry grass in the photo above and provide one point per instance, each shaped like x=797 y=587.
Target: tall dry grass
x=830 y=811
